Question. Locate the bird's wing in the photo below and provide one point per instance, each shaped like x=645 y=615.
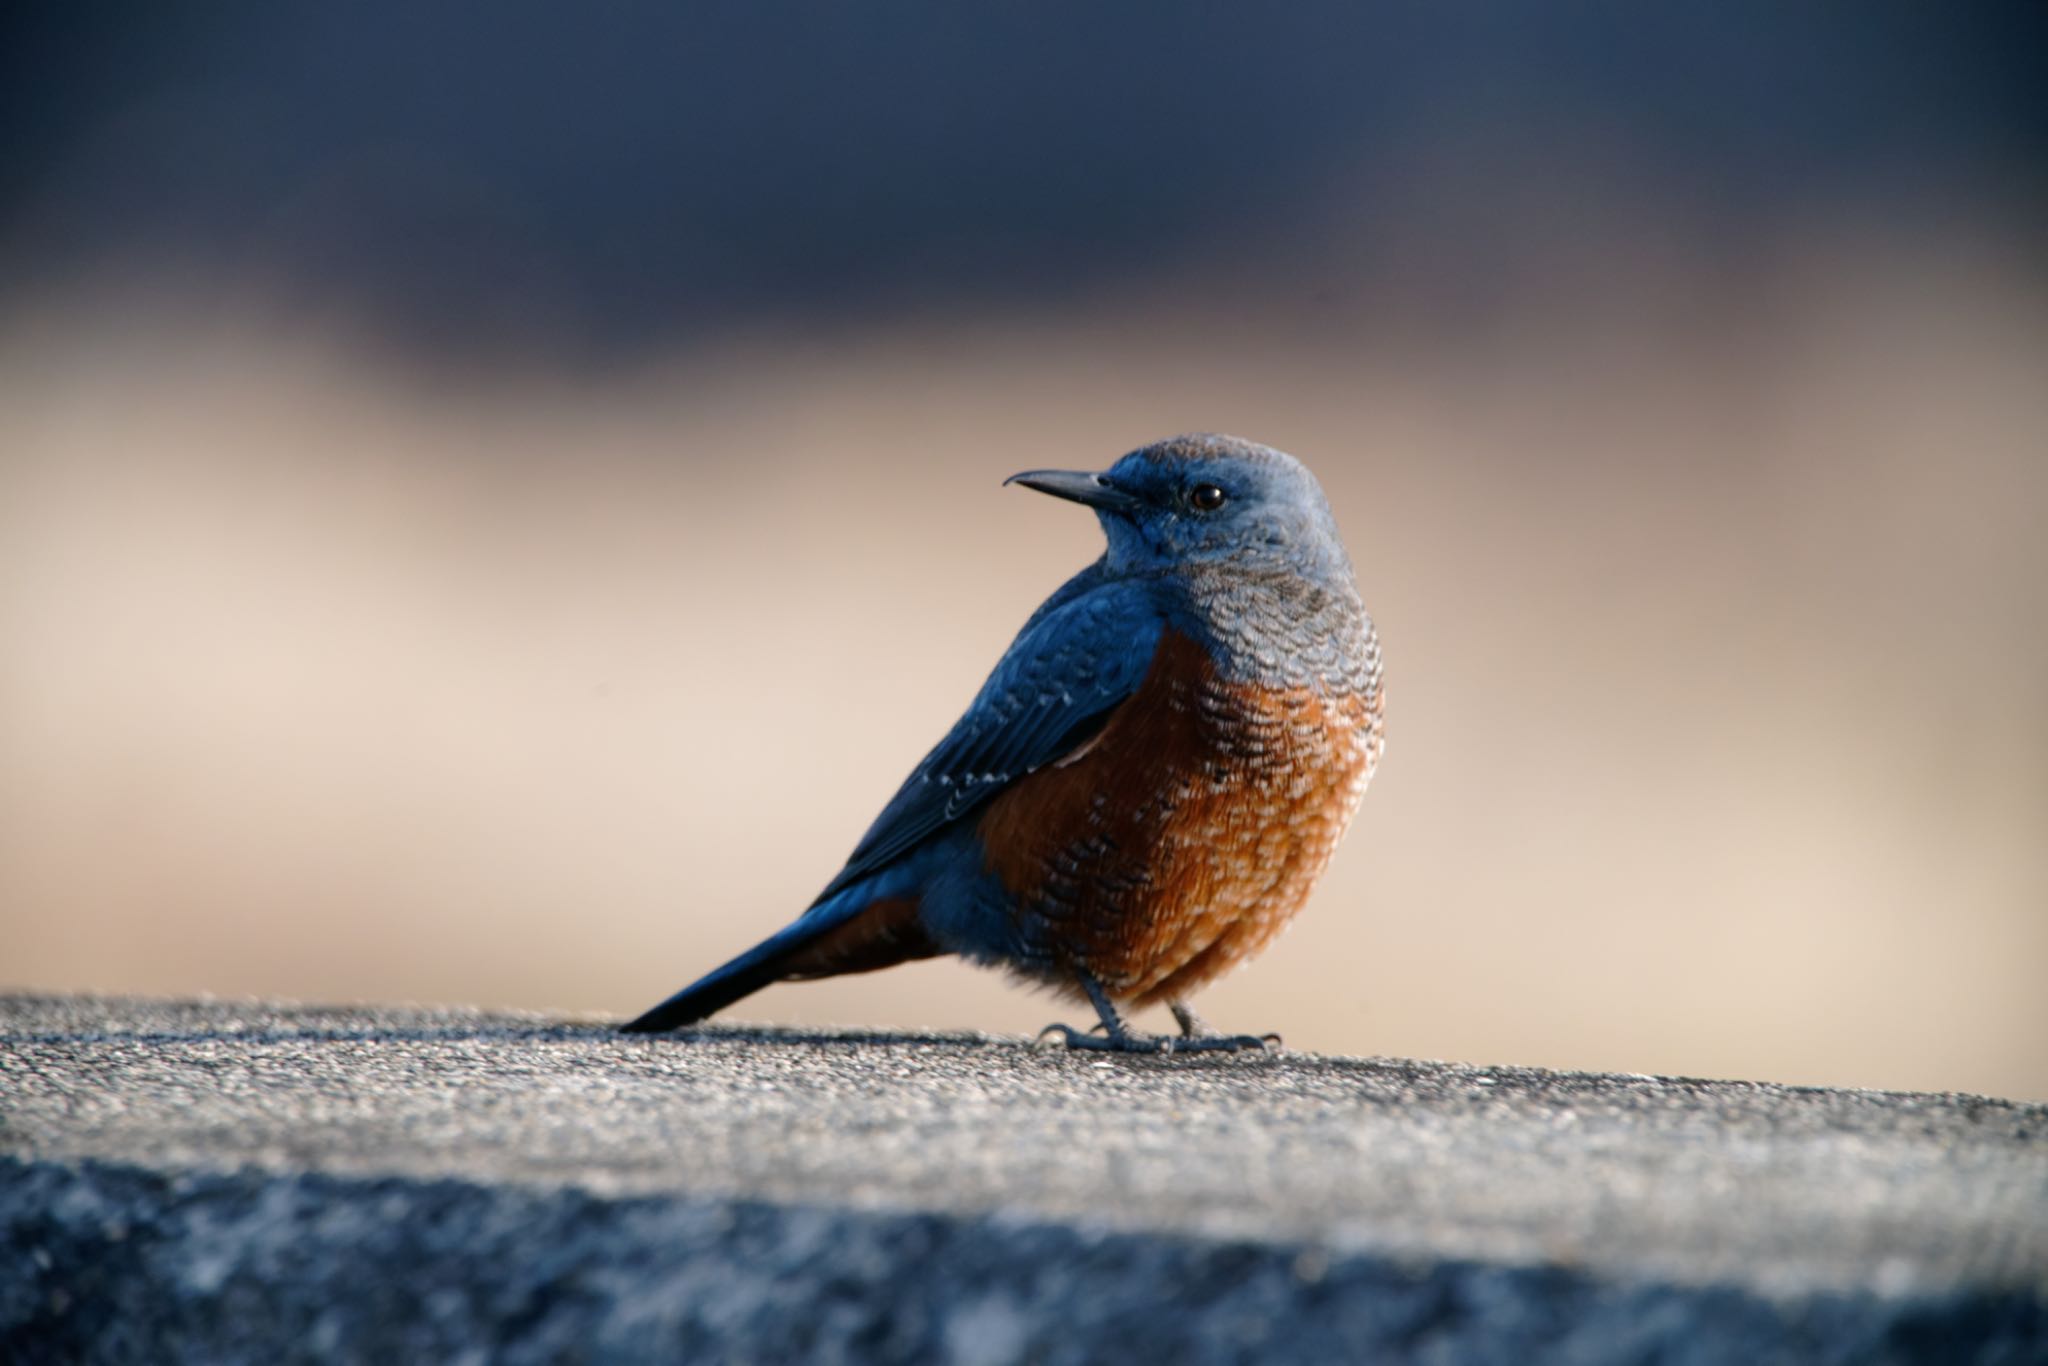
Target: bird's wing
x=1072 y=664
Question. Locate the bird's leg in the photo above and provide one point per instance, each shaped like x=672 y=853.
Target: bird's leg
x=1196 y=1035
x=1116 y=1036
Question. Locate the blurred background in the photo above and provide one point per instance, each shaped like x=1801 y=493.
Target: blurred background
x=493 y=498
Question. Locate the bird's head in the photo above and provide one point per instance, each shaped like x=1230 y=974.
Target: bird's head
x=1206 y=501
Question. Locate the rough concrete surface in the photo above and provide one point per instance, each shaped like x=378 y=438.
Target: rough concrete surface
x=250 y=1182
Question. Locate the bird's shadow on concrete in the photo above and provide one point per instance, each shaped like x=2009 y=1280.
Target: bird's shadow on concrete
x=1009 y=1044
x=818 y=1037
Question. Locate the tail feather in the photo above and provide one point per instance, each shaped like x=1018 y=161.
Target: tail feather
x=852 y=932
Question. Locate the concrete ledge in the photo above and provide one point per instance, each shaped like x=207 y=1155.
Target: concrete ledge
x=258 y=1183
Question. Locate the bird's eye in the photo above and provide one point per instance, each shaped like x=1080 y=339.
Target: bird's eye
x=1207 y=497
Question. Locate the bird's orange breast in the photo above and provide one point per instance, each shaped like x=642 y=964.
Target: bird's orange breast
x=1186 y=834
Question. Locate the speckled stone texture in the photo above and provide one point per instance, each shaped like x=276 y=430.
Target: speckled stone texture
x=225 y=1182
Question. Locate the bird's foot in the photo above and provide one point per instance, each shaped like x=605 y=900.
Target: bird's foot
x=1097 y=1041
x=1198 y=1036
x=1131 y=1041
x=1117 y=1037
x=1224 y=1043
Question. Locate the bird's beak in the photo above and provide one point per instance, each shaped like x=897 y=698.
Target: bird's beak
x=1077 y=486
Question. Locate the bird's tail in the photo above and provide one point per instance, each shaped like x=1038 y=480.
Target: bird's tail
x=853 y=931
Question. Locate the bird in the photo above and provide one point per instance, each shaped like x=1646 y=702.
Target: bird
x=1151 y=780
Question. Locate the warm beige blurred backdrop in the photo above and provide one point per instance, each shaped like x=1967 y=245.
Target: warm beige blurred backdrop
x=1714 y=638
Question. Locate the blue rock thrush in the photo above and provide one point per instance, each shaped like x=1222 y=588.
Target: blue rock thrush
x=1152 y=779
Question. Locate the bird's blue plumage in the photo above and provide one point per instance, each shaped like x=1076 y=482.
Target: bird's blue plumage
x=1073 y=662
